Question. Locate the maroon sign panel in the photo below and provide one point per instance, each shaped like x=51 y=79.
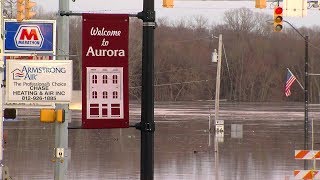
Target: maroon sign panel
x=105 y=95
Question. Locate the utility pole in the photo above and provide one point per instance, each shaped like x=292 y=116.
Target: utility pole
x=147 y=125
x=306 y=99
x=216 y=156
x=217 y=99
x=61 y=129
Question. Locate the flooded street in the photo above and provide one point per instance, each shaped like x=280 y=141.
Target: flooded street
x=184 y=148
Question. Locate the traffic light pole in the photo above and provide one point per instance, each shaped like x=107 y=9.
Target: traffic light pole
x=306 y=92
x=61 y=129
x=147 y=125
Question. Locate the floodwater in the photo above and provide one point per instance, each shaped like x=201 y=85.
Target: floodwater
x=184 y=148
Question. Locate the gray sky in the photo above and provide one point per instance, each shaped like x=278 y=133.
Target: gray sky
x=213 y=10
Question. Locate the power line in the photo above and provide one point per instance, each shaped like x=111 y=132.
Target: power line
x=188 y=40
x=225 y=56
x=314 y=46
x=177 y=70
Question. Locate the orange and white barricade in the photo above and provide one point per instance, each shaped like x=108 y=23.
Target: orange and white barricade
x=307 y=154
x=307 y=174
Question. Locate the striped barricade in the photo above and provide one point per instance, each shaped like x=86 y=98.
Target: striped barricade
x=307 y=154
x=307 y=174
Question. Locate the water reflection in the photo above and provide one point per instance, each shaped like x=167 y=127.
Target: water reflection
x=184 y=148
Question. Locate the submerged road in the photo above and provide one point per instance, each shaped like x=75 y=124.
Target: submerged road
x=184 y=148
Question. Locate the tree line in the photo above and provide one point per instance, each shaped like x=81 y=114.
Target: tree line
x=255 y=59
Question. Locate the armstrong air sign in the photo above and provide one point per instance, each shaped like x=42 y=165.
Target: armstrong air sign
x=31 y=81
x=36 y=36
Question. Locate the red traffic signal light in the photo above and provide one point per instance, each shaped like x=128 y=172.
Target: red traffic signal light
x=278 y=10
x=277 y=19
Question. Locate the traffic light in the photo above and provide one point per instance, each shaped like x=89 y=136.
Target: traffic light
x=60 y=115
x=167 y=3
x=47 y=115
x=28 y=7
x=20 y=10
x=277 y=19
x=52 y=115
x=261 y=4
x=9 y=113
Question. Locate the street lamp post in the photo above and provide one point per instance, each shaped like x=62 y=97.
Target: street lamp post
x=147 y=125
x=306 y=93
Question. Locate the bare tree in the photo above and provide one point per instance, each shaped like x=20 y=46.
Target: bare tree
x=9 y=8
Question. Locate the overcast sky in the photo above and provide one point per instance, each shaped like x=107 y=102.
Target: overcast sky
x=213 y=10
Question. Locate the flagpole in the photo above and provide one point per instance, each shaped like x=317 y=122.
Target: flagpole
x=296 y=79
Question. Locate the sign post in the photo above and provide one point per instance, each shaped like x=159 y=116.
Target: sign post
x=61 y=129
x=147 y=125
x=105 y=94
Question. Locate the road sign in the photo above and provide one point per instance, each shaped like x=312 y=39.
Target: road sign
x=39 y=81
x=105 y=94
x=219 y=130
x=237 y=131
x=219 y=122
x=30 y=36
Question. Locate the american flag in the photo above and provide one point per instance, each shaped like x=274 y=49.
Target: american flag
x=290 y=80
